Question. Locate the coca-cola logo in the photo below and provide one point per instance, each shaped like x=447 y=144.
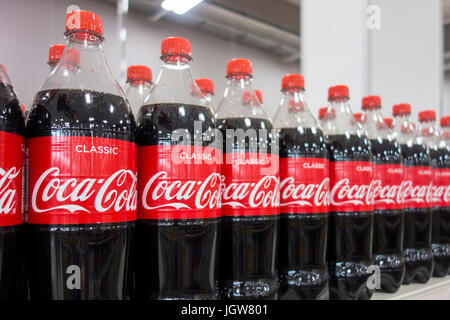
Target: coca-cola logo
x=263 y=193
x=115 y=193
x=440 y=194
x=344 y=193
x=8 y=192
x=160 y=192
x=416 y=193
x=304 y=194
x=389 y=194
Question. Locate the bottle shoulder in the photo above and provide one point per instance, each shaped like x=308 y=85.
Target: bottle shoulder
x=11 y=117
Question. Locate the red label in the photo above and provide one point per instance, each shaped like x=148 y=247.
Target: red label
x=179 y=182
x=250 y=184
x=304 y=186
x=11 y=168
x=416 y=187
x=387 y=186
x=76 y=180
x=351 y=183
x=441 y=188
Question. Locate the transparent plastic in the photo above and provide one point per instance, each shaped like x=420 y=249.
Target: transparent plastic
x=428 y=134
x=209 y=101
x=137 y=92
x=175 y=84
x=293 y=111
x=374 y=124
x=404 y=130
x=343 y=121
x=240 y=100
x=93 y=72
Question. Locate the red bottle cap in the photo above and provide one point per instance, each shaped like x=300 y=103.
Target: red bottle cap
x=239 y=66
x=3 y=67
x=205 y=85
x=292 y=81
x=23 y=108
x=176 y=46
x=371 y=102
x=338 y=92
x=259 y=95
x=358 y=116
x=55 y=52
x=389 y=122
x=445 y=121
x=401 y=109
x=84 y=21
x=138 y=72
x=427 y=115
x=323 y=112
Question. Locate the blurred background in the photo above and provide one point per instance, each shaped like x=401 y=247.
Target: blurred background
x=397 y=49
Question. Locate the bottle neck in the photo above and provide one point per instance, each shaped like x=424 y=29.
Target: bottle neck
x=136 y=83
x=428 y=133
x=83 y=66
x=344 y=121
x=293 y=111
x=175 y=83
x=240 y=100
x=374 y=124
x=404 y=129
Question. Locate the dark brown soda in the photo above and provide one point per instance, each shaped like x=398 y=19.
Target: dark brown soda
x=103 y=251
x=176 y=259
x=388 y=224
x=418 y=221
x=248 y=252
x=349 y=250
x=303 y=237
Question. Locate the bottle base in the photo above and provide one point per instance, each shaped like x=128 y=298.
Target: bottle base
x=258 y=289
x=392 y=268
x=304 y=284
x=350 y=289
x=441 y=255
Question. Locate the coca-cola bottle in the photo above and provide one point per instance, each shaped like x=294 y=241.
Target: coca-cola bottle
x=351 y=202
x=250 y=191
x=82 y=165
x=12 y=144
x=429 y=134
x=416 y=189
x=388 y=203
x=207 y=88
x=304 y=196
x=139 y=85
x=179 y=185
x=443 y=183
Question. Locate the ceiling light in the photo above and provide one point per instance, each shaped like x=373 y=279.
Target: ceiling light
x=179 y=6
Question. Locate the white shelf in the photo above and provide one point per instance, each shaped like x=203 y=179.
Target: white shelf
x=434 y=289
